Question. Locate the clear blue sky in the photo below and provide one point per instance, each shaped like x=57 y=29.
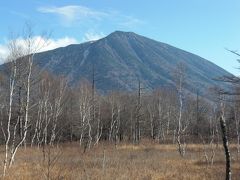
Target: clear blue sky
x=203 y=27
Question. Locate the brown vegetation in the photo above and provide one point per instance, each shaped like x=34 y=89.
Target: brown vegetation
x=124 y=161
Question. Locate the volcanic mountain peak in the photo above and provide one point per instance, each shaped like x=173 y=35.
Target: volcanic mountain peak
x=121 y=58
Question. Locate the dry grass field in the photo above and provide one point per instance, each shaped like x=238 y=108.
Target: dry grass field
x=146 y=161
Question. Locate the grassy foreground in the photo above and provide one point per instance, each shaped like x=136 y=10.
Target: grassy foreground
x=108 y=162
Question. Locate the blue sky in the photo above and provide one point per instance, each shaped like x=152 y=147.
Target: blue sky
x=203 y=27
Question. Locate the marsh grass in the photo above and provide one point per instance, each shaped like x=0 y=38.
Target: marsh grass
x=125 y=161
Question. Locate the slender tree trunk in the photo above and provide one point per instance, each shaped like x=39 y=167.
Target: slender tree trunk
x=12 y=85
x=89 y=133
x=225 y=145
x=151 y=121
x=25 y=128
x=179 y=131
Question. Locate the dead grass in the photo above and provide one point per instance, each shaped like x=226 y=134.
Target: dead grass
x=122 y=162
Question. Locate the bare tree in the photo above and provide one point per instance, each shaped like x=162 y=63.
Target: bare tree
x=59 y=91
x=225 y=142
x=84 y=122
x=180 y=78
x=15 y=53
x=20 y=54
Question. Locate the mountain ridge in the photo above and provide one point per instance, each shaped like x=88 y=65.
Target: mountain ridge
x=121 y=58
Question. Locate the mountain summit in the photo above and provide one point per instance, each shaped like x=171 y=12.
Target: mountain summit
x=121 y=58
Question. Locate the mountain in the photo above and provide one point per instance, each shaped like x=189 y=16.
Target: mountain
x=121 y=58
